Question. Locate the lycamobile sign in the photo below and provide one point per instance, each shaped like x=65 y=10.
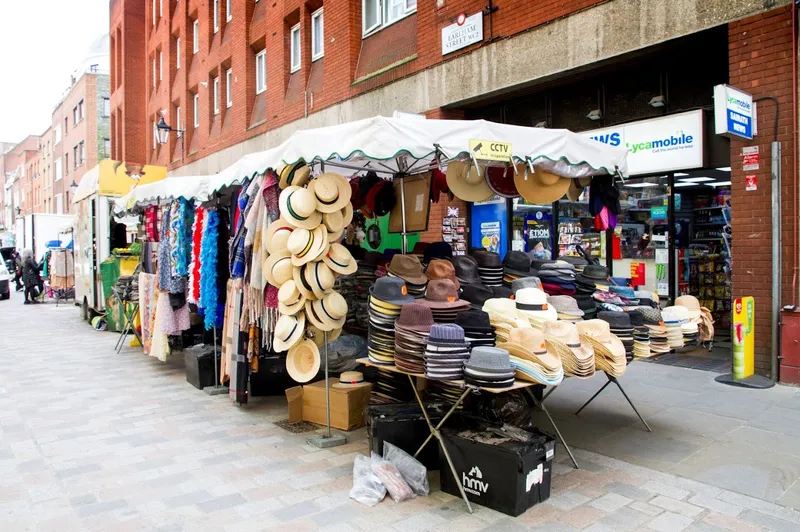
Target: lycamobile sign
x=673 y=142
x=734 y=114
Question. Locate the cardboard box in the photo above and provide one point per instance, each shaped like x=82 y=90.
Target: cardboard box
x=307 y=403
x=418 y=204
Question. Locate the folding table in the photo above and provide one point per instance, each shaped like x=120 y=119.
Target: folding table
x=129 y=311
x=468 y=388
x=614 y=379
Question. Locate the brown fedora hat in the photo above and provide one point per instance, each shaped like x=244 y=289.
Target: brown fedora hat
x=408 y=268
x=441 y=269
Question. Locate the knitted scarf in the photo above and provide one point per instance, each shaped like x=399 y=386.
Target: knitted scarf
x=256 y=281
x=194 y=264
x=208 y=270
x=270 y=195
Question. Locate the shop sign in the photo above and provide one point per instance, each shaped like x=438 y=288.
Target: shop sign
x=637 y=274
x=490 y=150
x=751 y=160
x=734 y=113
x=466 y=30
x=664 y=144
x=658 y=213
x=744 y=310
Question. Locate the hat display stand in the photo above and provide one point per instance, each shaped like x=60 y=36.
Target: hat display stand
x=328 y=439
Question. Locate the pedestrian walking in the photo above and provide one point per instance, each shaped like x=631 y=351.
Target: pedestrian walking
x=30 y=277
x=17 y=261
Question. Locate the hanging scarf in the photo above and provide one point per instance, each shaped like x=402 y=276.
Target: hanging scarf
x=194 y=264
x=254 y=275
x=151 y=222
x=208 y=270
x=164 y=274
x=237 y=252
x=270 y=193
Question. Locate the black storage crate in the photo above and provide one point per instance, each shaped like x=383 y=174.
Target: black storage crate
x=403 y=425
x=199 y=368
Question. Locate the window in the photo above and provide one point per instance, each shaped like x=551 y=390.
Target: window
x=216 y=95
x=66 y=125
x=75 y=156
x=154 y=72
x=216 y=15
x=377 y=14
x=80 y=110
x=107 y=148
x=82 y=152
x=229 y=88
x=106 y=107
x=177 y=52
x=317 y=35
x=57 y=167
x=155 y=136
x=57 y=135
x=66 y=163
x=196 y=36
x=75 y=119
x=179 y=133
x=228 y=10
x=261 y=71
x=154 y=12
x=196 y=110
x=160 y=65
x=59 y=204
x=160 y=8
x=294 y=39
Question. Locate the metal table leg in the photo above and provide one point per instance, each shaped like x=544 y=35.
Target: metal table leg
x=435 y=433
x=540 y=405
x=613 y=379
x=595 y=395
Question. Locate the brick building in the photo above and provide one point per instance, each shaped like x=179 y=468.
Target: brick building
x=18 y=163
x=241 y=75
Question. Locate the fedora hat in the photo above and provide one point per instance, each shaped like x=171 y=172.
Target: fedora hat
x=691 y=303
x=532 y=303
x=332 y=192
x=307 y=245
x=319 y=277
x=408 y=268
x=415 y=317
x=576 y=186
x=501 y=180
x=476 y=294
x=598 y=333
x=278 y=268
x=567 y=340
x=442 y=294
x=525 y=282
x=502 y=309
x=327 y=313
x=489 y=360
x=437 y=250
x=302 y=361
x=277 y=235
x=299 y=207
x=595 y=272
x=351 y=379
x=301 y=282
x=339 y=259
x=541 y=186
x=441 y=269
x=466 y=269
x=391 y=290
x=288 y=331
x=290 y=300
x=517 y=263
x=296 y=174
x=466 y=183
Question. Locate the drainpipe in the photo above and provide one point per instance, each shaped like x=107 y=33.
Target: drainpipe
x=796 y=198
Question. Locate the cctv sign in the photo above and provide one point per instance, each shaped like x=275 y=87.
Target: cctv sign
x=734 y=113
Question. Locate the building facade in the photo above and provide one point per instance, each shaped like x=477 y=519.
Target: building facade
x=239 y=76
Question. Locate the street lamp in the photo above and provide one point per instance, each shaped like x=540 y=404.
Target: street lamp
x=163 y=130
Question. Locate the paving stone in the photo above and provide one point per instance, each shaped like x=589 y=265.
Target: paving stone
x=716 y=505
x=567 y=500
x=296 y=511
x=631 y=492
x=645 y=508
x=767 y=521
x=610 y=502
x=582 y=516
x=664 y=489
x=423 y=521
x=676 y=506
x=221 y=503
x=100 y=508
x=670 y=522
x=625 y=519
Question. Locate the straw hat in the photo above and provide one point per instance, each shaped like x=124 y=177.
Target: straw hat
x=691 y=303
x=350 y=379
x=530 y=344
x=331 y=191
x=319 y=277
x=541 y=186
x=305 y=245
x=532 y=303
x=278 y=268
x=334 y=221
x=576 y=356
x=501 y=180
x=302 y=362
x=298 y=207
x=277 y=235
x=466 y=183
x=290 y=300
x=296 y=174
x=576 y=187
x=318 y=336
x=301 y=282
x=608 y=349
x=327 y=313
x=501 y=309
x=288 y=331
x=347 y=214
x=339 y=260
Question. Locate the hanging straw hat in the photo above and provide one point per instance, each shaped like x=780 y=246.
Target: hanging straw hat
x=277 y=235
x=318 y=336
x=301 y=282
x=347 y=214
x=327 y=313
x=576 y=187
x=288 y=331
x=278 y=268
x=540 y=187
x=303 y=361
x=340 y=260
x=332 y=192
x=319 y=277
x=298 y=207
x=296 y=174
x=334 y=221
x=306 y=246
x=466 y=183
x=290 y=300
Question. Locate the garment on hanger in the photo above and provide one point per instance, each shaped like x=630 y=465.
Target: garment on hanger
x=194 y=264
x=208 y=270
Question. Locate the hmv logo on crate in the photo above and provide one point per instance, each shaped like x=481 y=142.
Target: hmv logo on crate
x=472 y=482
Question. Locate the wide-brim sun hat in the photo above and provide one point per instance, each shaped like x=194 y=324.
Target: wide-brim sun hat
x=333 y=221
x=501 y=180
x=277 y=235
x=299 y=207
x=340 y=260
x=288 y=331
x=296 y=174
x=532 y=303
x=566 y=333
x=318 y=336
x=303 y=361
x=301 y=282
x=290 y=300
x=576 y=187
x=307 y=245
x=540 y=187
x=327 y=313
x=332 y=192
x=319 y=277
x=467 y=183
x=347 y=214
x=278 y=268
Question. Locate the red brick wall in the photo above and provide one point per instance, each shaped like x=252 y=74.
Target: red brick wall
x=761 y=64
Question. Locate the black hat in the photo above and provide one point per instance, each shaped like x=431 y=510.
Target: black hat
x=438 y=250
x=474 y=320
x=371 y=258
x=585 y=302
x=502 y=291
x=366 y=182
x=517 y=263
x=575 y=261
x=385 y=200
x=466 y=269
x=592 y=271
x=636 y=318
x=616 y=320
x=488 y=259
x=476 y=294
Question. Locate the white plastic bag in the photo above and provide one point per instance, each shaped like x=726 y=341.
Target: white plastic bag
x=414 y=473
x=367 y=489
x=390 y=477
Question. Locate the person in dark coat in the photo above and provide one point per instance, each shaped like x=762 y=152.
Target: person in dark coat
x=30 y=277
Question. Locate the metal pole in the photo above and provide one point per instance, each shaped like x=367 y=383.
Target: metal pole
x=216 y=367
x=327 y=391
x=403 y=211
x=776 y=254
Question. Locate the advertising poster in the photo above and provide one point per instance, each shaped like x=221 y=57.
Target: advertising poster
x=743 y=337
x=489 y=226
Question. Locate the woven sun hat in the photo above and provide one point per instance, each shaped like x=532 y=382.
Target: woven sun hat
x=576 y=355
x=466 y=182
x=350 y=379
x=680 y=312
x=347 y=214
x=301 y=282
x=319 y=336
x=501 y=180
x=290 y=300
x=319 y=277
x=576 y=186
x=476 y=294
x=466 y=269
x=566 y=307
x=306 y=246
x=333 y=221
x=303 y=361
x=443 y=294
x=502 y=309
x=540 y=187
x=530 y=344
x=278 y=268
x=327 y=313
x=608 y=349
x=525 y=282
x=340 y=260
x=299 y=207
x=441 y=269
x=288 y=331
x=391 y=290
x=408 y=268
x=691 y=303
x=296 y=174
x=277 y=235
x=532 y=303
x=331 y=191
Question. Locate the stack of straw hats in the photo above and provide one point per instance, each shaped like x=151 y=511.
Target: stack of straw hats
x=441 y=297
x=641 y=335
x=504 y=316
x=659 y=342
x=446 y=350
x=691 y=328
x=566 y=307
x=673 y=319
x=620 y=326
x=489 y=367
x=411 y=330
x=609 y=353
x=531 y=356
x=409 y=269
x=387 y=297
x=577 y=356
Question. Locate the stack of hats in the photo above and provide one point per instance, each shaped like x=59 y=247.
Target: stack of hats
x=594 y=277
x=532 y=303
x=504 y=316
x=516 y=265
x=502 y=291
x=410 y=332
x=578 y=262
x=525 y=282
x=641 y=335
x=409 y=269
x=672 y=321
x=533 y=359
x=466 y=269
x=490 y=268
x=437 y=250
x=441 y=269
x=390 y=387
x=365 y=274
x=476 y=294
x=691 y=330
x=577 y=356
x=445 y=352
x=587 y=305
x=566 y=307
x=387 y=297
x=558 y=278
x=609 y=353
x=442 y=298
x=489 y=367
x=419 y=250
x=646 y=298
x=626 y=293
x=478 y=330
x=651 y=317
x=620 y=325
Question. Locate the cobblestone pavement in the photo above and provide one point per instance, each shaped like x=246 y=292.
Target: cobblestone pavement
x=92 y=440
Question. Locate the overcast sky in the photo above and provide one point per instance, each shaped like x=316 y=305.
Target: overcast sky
x=41 y=43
